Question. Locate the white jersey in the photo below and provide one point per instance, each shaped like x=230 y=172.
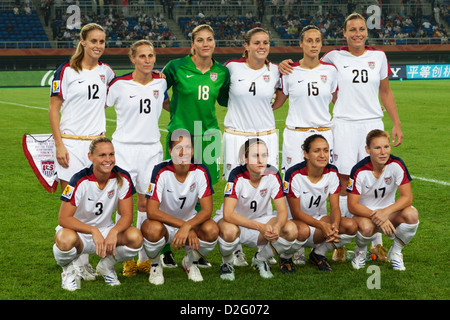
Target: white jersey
x=313 y=196
x=358 y=83
x=252 y=202
x=138 y=108
x=378 y=192
x=251 y=91
x=179 y=199
x=310 y=93
x=95 y=206
x=84 y=98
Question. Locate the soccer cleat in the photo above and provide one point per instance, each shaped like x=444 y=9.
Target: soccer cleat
x=86 y=272
x=396 y=260
x=299 y=256
x=70 y=279
x=339 y=255
x=380 y=252
x=287 y=265
x=359 y=258
x=262 y=266
x=226 y=271
x=239 y=259
x=203 y=263
x=108 y=272
x=168 y=261
x=192 y=271
x=320 y=261
x=272 y=261
x=156 y=276
x=129 y=268
x=144 y=266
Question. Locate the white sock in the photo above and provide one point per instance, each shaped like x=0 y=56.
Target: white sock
x=275 y=248
x=141 y=216
x=404 y=233
x=226 y=249
x=362 y=241
x=297 y=245
x=153 y=249
x=324 y=247
x=125 y=253
x=378 y=240
x=63 y=258
x=206 y=247
x=81 y=260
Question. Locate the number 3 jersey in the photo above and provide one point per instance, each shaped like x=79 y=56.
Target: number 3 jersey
x=249 y=107
x=95 y=206
x=176 y=198
x=253 y=202
x=378 y=192
x=358 y=83
x=138 y=108
x=313 y=196
x=84 y=98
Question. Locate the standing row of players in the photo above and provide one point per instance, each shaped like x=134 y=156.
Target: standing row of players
x=80 y=88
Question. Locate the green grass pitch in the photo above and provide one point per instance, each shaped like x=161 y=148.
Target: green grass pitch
x=29 y=215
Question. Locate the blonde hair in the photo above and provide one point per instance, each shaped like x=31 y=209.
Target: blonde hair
x=93 y=146
x=77 y=57
x=353 y=16
x=137 y=44
x=196 y=30
x=247 y=38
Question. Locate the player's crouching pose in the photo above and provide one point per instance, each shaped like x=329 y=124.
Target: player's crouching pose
x=175 y=188
x=308 y=185
x=245 y=218
x=373 y=184
x=85 y=217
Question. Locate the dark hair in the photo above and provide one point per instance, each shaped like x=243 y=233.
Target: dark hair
x=177 y=134
x=307 y=143
x=376 y=133
x=251 y=142
x=307 y=28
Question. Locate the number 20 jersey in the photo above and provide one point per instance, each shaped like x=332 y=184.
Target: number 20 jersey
x=84 y=98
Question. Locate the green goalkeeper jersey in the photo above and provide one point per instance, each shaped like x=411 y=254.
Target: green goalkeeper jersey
x=194 y=94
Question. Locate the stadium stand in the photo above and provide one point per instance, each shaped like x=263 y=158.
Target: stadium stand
x=168 y=23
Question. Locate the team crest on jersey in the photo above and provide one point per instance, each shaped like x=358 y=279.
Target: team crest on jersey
x=48 y=167
x=213 y=76
x=228 y=188
x=263 y=192
x=156 y=94
x=388 y=180
x=289 y=160
x=285 y=186
x=150 y=190
x=323 y=77
x=68 y=191
x=111 y=194
x=56 y=86
x=103 y=78
x=371 y=64
x=325 y=190
x=192 y=187
x=266 y=77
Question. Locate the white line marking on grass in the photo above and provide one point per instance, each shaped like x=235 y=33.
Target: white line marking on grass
x=432 y=181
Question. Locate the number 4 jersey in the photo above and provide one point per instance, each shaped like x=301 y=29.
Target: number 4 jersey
x=378 y=192
x=84 y=98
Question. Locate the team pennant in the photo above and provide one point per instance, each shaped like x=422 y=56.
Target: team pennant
x=39 y=151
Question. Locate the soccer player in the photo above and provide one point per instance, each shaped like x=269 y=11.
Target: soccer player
x=85 y=217
x=310 y=88
x=363 y=80
x=197 y=82
x=307 y=186
x=78 y=93
x=175 y=188
x=372 y=189
x=245 y=218
x=138 y=99
x=253 y=79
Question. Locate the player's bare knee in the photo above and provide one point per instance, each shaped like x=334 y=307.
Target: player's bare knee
x=66 y=239
x=349 y=226
x=228 y=232
x=134 y=237
x=410 y=215
x=289 y=231
x=152 y=230
x=210 y=231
